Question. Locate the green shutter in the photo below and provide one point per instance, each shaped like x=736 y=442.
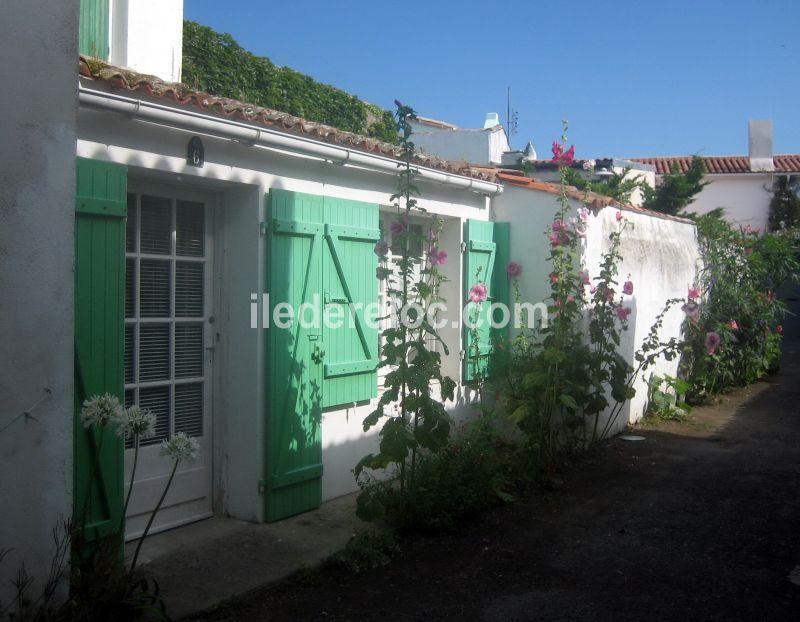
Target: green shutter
x=100 y=210
x=320 y=253
x=349 y=286
x=485 y=259
x=294 y=364
x=93 y=28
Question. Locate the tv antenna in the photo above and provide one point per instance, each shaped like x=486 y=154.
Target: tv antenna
x=512 y=117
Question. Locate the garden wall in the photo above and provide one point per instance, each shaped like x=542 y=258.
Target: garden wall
x=660 y=256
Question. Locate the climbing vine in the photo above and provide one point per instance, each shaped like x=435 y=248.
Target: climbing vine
x=214 y=62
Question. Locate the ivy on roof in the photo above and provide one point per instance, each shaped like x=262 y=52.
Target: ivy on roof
x=217 y=64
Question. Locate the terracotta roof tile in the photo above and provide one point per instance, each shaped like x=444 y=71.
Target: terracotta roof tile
x=720 y=165
x=591 y=199
x=182 y=95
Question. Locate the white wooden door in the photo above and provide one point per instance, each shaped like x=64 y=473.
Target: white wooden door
x=168 y=353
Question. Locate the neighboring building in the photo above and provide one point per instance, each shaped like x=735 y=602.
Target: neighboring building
x=481 y=146
x=741 y=184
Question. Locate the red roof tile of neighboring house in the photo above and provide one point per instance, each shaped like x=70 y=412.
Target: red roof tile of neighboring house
x=182 y=95
x=720 y=165
x=591 y=199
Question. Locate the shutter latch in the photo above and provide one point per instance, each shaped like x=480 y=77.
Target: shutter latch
x=463 y=247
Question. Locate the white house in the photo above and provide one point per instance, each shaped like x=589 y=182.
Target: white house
x=149 y=233
x=741 y=184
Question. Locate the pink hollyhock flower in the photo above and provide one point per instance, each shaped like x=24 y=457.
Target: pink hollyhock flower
x=568 y=157
x=397 y=227
x=553 y=277
x=558 y=150
x=732 y=324
x=610 y=294
x=381 y=248
x=627 y=288
x=581 y=229
x=513 y=269
x=570 y=298
x=559 y=225
x=623 y=313
x=583 y=214
x=618 y=215
x=694 y=292
x=691 y=310
x=779 y=329
x=712 y=342
x=437 y=257
x=477 y=292
x=584 y=276
x=592 y=289
x=554 y=240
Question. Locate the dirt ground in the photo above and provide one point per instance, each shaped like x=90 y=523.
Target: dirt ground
x=700 y=521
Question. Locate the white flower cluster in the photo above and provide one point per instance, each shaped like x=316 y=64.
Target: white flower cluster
x=181 y=447
x=105 y=410
x=101 y=410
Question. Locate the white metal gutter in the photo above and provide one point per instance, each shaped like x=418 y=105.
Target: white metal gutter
x=266 y=137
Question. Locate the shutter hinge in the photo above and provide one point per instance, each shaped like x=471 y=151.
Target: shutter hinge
x=263 y=227
x=463 y=247
x=461 y=355
x=262 y=486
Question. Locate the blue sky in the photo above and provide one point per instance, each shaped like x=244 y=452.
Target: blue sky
x=634 y=78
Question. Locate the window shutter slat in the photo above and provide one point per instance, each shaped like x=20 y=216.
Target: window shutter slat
x=153 y=352
x=188 y=289
x=188 y=350
x=154 y=288
x=156 y=225
x=189 y=409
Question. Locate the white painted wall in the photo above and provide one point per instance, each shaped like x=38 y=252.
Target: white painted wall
x=37 y=211
x=745 y=197
x=476 y=146
x=242 y=176
x=660 y=255
x=147 y=36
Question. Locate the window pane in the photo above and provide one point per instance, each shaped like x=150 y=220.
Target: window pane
x=153 y=352
x=130 y=288
x=130 y=334
x=188 y=350
x=130 y=226
x=154 y=288
x=157 y=400
x=189 y=229
x=189 y=408
x=188 y=289
x=156 y=225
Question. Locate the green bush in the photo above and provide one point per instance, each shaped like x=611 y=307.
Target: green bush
x=734 y=338
x=217 y=64
x=367 y=549
x=474 y=471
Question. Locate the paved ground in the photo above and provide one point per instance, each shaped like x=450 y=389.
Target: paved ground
x=698 y=522
x=201 y=564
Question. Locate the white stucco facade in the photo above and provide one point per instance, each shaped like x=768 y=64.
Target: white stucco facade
x=476 y=146
x=236 y=178
x=660 y=256
x=745 y=198
x=147 y=36
x=37 y=212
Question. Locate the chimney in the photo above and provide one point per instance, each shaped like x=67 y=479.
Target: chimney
x=760 y=142
x=492 y=119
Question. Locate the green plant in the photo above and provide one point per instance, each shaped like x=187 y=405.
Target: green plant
x=619 y=186
x=676 y=190
x=217 y=64
x=665 y=398
x=784 y=208
x=733 y=323
x=414 y=418
x=366 y=550
x=476 y=469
